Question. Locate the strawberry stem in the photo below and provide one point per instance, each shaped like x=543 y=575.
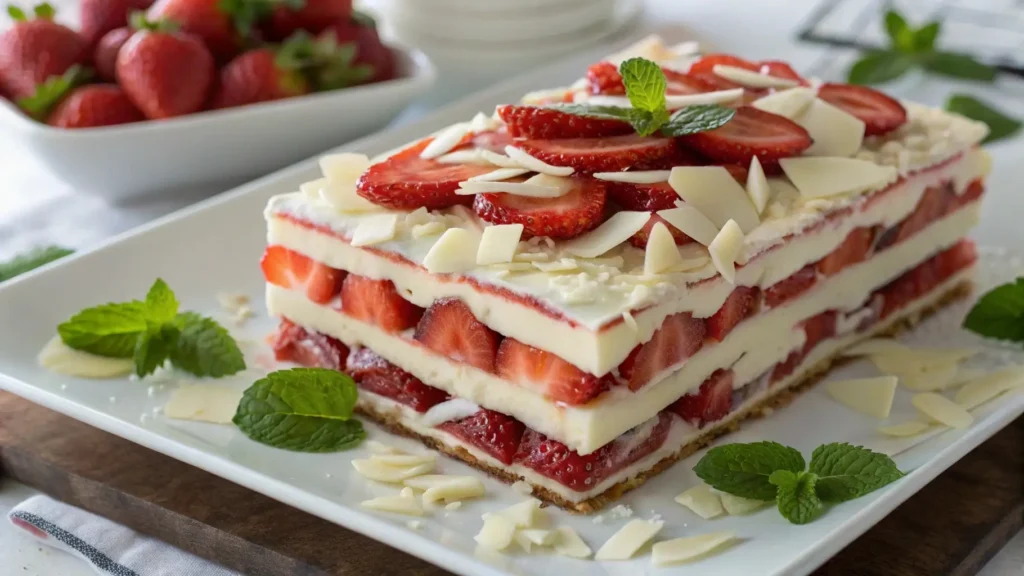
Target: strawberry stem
x=138 y=21
x=42 y=11
x=53 y=90
x=16 y=13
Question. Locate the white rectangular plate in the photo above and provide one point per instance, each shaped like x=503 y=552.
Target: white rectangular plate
x=215 y=247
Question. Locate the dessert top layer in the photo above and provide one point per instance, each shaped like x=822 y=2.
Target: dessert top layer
x=586 y=218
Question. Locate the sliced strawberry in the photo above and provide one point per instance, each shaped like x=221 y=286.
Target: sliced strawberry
x=493 y=432
x=739 y=305
x=819 y=327
x=293 y=343
x=879 y=112
x=289 y=269
x=604 y=78
x=930 y=207
x=955 y=258
x=680 y=83
x=449 y=328
x=377 y=375
x=787 y=366
x=855 y=248
x=495 y=141
x=377 y=302
x=640 y=238
x=715 y=81
x=406 y=182
x=679 y=337
x=548 y=123
x=543 y=371
x=751 y=132
x=973 y=192
x=610 y=154
x=556 y=461
x=791 y=287
x=643 y=197
x=779 y=69
x=707 y=63
x=739 y=173
x=711 y=402
x=564 y=217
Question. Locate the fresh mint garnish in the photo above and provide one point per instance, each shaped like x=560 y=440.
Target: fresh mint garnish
x=911 y=48
x=999 y=313
x=152 y=331
x=744 y=469
x=771 y=471
x=645 y=87
x=31 y=260
x=999 y=124
x=302 y=409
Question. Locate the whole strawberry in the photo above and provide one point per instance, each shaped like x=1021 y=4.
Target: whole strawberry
x=164 y=72
x=104 y=58
x=259 y=76
x=290 y=16
x=209 y=20
x=101 y=16
x=361 y=31
x=92 y=106
x=35 y=49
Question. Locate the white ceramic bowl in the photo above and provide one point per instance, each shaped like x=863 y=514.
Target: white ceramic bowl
x=216 y=147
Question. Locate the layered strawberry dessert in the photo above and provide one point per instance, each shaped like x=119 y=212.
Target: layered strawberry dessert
x=558 y=294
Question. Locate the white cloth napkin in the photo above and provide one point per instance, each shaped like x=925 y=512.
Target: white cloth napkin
x=111 y=549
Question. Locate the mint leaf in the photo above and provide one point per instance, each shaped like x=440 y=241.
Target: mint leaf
x=302 y=409
x=30 y=261
x=693 y=119
x=645 y=84
x=925 y=36
x=878 y=67
x=796 y=497
x=900 y=33
x=153 y=348
x=958 y=66
x=646 y=123
x=204 y=348
x=107 y=330
x=999 y=313
x=846 y=472
x=591 y=111
x=744 y=469
x=162 y=304
x=999 y=124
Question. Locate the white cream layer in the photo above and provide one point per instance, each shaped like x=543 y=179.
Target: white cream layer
x=752 y=348
x=681 y=433
x=591 y=344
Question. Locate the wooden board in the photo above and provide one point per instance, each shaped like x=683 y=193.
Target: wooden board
x=952 y=526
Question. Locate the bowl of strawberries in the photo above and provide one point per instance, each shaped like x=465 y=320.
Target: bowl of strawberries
x=147 y=97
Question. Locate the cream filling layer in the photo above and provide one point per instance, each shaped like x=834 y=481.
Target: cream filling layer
x=591 y=344
x=681 y=432
x=752 y=348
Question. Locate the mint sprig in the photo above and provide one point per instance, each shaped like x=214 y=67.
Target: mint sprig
x=999 y=313
x=1000 y=125
x=151 y=332
x=302 y=409
x=770 y=471
x=645 y=88
x=31 y=260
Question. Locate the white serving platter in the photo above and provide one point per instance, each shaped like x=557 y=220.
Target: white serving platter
x=215 y=247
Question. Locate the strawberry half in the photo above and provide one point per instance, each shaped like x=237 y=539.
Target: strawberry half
x=377 y=375
x=819 y=327
x=289 y=269
x=449 y=328
x=548 y=123
x=751 y=132
x=739 y=305
x=611 y=154
x=640 y=238
x=377 y=302
x=293 y=343
x=879 y=112
x=406 y=182
x=855 y=248
x=492 y=432
x=711 y=402
x=930 y=207
x=564 y=217
x=795 y=284
x=557 y=379
x=555 y=460
x=679 y=337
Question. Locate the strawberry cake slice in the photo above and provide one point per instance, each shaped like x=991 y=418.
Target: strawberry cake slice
x=591 y=284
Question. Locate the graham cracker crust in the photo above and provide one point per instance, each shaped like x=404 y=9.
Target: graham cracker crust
x=777 y=399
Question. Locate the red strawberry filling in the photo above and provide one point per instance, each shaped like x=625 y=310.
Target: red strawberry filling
x=293 y=343
x=449 y=328
x=289 y=269
x=493 y=432
x=740 y=304
x=711 y=402
x=543 y=371
x=377 y=302
x=381 y=377
x=679 y=337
